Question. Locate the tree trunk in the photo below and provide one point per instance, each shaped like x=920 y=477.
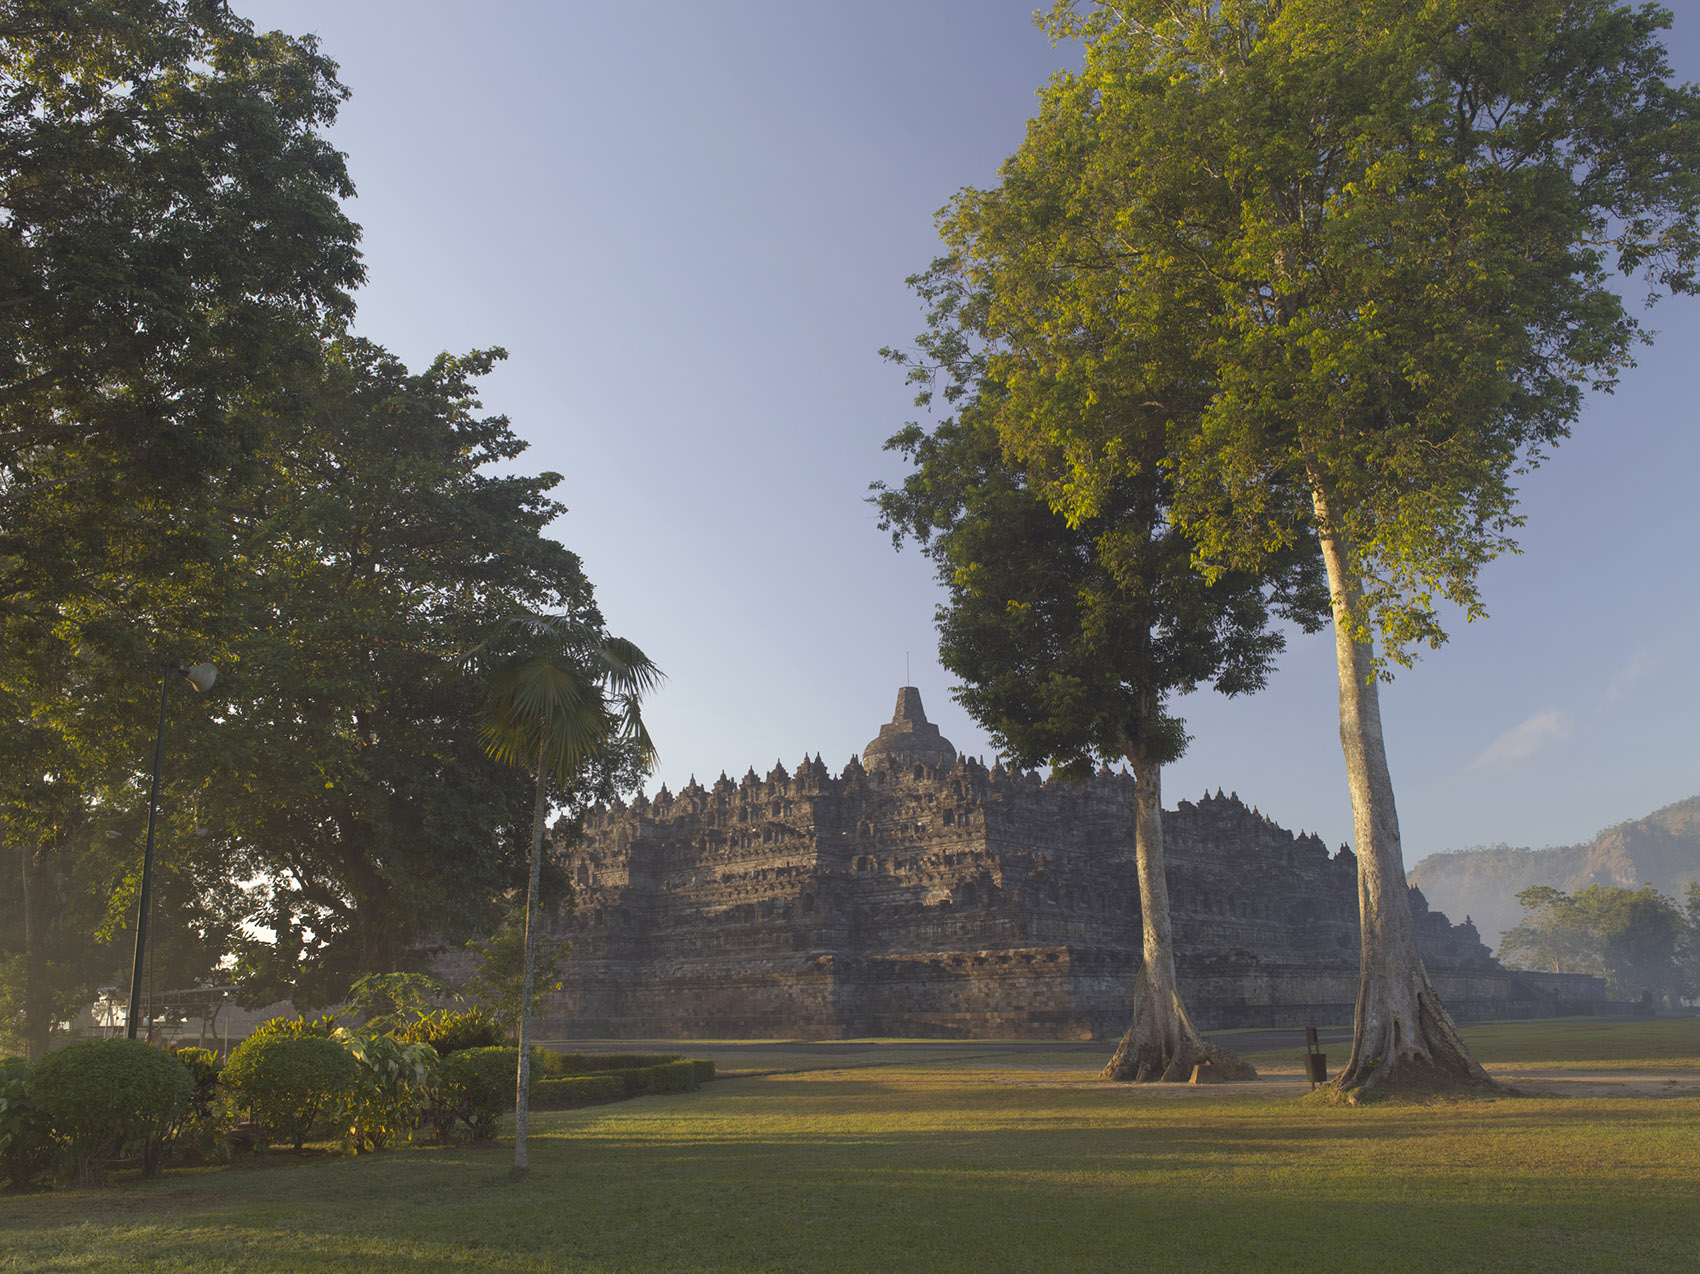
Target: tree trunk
x=522 y=1082
x=1402 y=1035
x=1161 y=1043
x=38 y=997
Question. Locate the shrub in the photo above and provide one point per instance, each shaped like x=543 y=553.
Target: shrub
x=575 y=1090
x=27 y=1146
x=475 y=1086
x=392 y=1084
x=452 y=1032
x=101 y=1095
x=291 y=1082
x=200 y=1134
x=598 y=1063
x=318 y=1027
x=704 y=1069
x=673 y=1077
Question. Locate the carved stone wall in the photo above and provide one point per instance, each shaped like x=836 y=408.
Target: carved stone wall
x=917 y=896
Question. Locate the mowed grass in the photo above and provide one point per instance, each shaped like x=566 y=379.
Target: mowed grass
x=1593 y=1044
x=942 y=1166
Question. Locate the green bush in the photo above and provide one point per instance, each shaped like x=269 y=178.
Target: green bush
x=598 y=1063
x=291 y=1082
x=673 y=1077
x=452 y=1032
x=558 y=1091
x=392 y=1085
x=475 y=1086
x=704 y=1069
x=201 y=1134
x=319 y=1027
x=27 y=1145
x=103 y=1095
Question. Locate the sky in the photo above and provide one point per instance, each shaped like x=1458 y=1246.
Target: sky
x=689 y=224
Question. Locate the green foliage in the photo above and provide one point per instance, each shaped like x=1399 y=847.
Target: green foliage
x=391 y=1087
x=101 y=1096
x=393 y=1002
x=27 y=1144
x=1688 y=952
x=704 y=1070
x=1383 y=242
x=474 y=1086
x=292 y=1083
x=1072 y=637
x=592 y=1063
x=322 y=1027
x=1631 y=937
x=155 y=150
x=558 y=1091
x=381 y=817
x=200 y=1135
x=673 y=1077
x=495 y=982
x=447 y=1033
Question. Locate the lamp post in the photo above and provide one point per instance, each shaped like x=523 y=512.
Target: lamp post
x=201 y=678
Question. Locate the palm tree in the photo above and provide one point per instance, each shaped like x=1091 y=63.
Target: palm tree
x=561 y=698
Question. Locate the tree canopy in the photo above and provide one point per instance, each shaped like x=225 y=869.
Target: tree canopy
x=1361 y=261
x=1634 y=938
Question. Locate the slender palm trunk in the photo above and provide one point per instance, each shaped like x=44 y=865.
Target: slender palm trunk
x=1402 y=1035
x=1161 y=1043
x=522 y=1083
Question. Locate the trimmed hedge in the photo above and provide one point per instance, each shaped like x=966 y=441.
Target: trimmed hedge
x=476 y=1086
x=103 y=1095
x=575 y=1090
x=292 y=1082
x=673 y=1077
x=634 y=1073
x=27 y=1145
x=601 y=1063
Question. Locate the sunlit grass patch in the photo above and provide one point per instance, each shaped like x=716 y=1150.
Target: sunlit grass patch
x=947 y=1166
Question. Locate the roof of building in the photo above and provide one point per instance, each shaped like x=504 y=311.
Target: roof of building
x=909 y=739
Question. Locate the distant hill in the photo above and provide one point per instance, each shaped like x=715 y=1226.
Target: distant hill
x=1662 y=849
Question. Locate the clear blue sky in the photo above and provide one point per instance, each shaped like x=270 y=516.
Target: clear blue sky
x=690 y=225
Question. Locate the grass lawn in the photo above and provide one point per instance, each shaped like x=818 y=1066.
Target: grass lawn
x=1014 y=1163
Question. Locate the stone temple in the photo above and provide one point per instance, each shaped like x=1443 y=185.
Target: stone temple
x=919 y=893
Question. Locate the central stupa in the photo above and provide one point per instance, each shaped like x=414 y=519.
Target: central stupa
x=910 y=739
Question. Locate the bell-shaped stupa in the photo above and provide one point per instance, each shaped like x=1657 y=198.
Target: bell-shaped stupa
x=910 y=739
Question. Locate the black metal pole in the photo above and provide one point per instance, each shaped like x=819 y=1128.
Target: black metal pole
x=147 y=866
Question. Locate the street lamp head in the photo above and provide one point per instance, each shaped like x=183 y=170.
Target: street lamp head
x=201 y=676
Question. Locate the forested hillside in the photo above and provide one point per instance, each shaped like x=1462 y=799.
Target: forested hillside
x=1662 y=849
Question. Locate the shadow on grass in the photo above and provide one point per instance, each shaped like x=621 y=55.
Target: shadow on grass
x=919 y=1171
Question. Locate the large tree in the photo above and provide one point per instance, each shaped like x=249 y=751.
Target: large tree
x=170 y=239
x=336 y=766
x=1631 y=937
x=1073 y=640
x=346 y=774
x=1397 y=234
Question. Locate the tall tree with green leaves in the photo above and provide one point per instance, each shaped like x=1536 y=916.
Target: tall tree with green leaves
x=346 y=774
x=561 y=699
x=1072 y=642
x=334 y=766
x=1631 y=937
x=171 y=237
x=1397 y=236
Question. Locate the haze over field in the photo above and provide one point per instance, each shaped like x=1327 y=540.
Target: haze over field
x=1662 y=850
x=691 y=224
